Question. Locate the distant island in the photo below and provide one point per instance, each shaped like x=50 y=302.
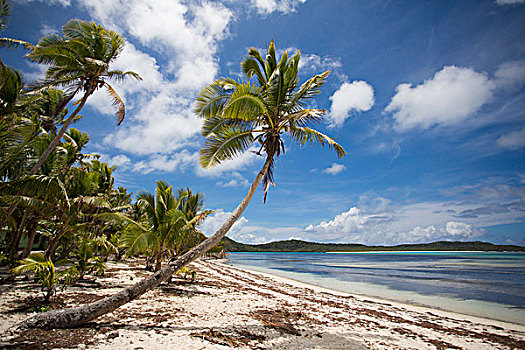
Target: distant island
x=295 y=245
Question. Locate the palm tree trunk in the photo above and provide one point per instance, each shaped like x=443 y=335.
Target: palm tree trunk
x=52 y=246
x=72 y=317
x=31 y=233
x=158 y=258
x=60 y=134
x=12 y=248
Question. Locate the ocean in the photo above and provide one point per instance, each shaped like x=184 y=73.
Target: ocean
x=485 y=284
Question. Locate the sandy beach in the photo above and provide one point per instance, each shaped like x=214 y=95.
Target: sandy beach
x=227 y=307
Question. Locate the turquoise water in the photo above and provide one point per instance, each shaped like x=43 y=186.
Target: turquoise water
x=487 y=284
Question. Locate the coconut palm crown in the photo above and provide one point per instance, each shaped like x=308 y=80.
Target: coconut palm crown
x=79 y=59
x=239 y=113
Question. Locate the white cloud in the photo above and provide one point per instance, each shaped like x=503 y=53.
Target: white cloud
x=357 y=96
x=234 y=180
x=362 y=226
x=214 y=221
x=451 y=96
x=185 y=36
x=459 y=229
x=513 y=140
x=165 y=163
x=509 y=2
x=311 y=63
x=46 y=30
x=266 y=7
x=334 y=169
x=511 y=74
x=119 y=160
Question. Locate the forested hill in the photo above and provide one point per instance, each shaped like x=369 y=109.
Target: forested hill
x=294 y=245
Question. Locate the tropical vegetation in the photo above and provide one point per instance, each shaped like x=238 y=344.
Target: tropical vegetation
x=61 y=215
x=236 y=115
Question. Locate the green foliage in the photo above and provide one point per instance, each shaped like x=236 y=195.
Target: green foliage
x=44 y=272
x=185 y=272
x=79 y=60
x=166 y=224
x=294 y=245
x=238 y=114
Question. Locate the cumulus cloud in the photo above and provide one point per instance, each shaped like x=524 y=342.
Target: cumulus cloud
x=451 y=96
x=513 y=140
x=334 y=169
x=357 y=96
x=361 y=226
x=236 y=232
x=185 y=37
x=266 y=7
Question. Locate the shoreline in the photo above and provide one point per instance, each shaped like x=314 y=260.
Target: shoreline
x=406 y=304
x=229 y=307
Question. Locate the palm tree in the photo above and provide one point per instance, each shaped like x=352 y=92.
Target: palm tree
x=79 y=61
x=162 y=223
x=236 y=114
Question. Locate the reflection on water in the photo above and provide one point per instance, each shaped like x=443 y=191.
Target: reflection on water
x=487 y=284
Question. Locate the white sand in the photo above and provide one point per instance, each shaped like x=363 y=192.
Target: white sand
x=227 y=307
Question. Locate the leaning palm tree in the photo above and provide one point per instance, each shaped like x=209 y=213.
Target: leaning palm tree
x=79 y=61
x=236 y=115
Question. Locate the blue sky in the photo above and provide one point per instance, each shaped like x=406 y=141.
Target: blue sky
x=427 y=97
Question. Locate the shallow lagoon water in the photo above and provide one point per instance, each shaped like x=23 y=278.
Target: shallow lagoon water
x=486 y=284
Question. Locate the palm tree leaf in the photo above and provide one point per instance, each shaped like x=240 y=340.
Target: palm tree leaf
x=304 y=135
x=224 y=145
x=250 y=67
x=214 y=124
x=14 y=43
x=308 y=89
x=137 y=240
x=211 y=99
x=305 y=117
x=5 y=12
x=117 y=102
x=245 y=103
x=120 y=75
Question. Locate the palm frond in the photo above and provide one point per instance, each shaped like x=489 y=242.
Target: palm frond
x=251 y=67
x=5 y=12
x=117 y=102
x=14 y=43
x=305 y=117
x=225 y=144
x=214 y=124
x=120 y=75
x=245 y=103
x=306 y=135
x=211 y=99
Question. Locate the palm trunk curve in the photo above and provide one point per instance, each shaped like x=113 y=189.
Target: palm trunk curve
x=75 y=316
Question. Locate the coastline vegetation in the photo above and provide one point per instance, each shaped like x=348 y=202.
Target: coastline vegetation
x=56 y=198
x=295 y=245
x=62 y=217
